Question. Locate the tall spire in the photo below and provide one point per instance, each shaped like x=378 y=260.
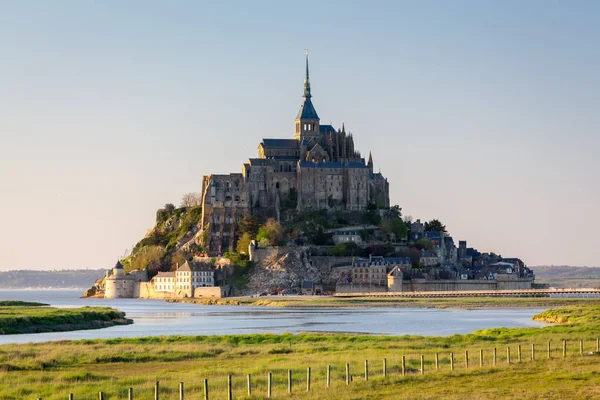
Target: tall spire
x=307 y=94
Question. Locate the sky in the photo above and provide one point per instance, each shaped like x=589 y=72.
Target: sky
x=482 y=114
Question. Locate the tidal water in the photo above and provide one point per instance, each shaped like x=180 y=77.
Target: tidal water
x=157 y=318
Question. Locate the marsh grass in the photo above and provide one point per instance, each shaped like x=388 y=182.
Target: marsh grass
x=53 y=370
x=22 y=317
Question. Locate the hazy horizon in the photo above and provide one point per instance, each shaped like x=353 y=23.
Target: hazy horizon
x=483 y=115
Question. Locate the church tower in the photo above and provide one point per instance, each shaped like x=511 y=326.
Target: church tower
x=307 y=120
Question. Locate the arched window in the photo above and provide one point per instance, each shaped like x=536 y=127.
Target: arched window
x=277 y=185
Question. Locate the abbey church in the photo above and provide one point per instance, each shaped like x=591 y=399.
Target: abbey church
x=319 y=168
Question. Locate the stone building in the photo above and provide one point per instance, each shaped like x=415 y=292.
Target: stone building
x=119 y=285
x=319 y=168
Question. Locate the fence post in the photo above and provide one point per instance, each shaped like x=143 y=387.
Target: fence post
x=519 y=351
x=156 y=388
x=532 y=351
x=205 y=389
x=508 y=355
x=564 y=348
x=548 y=349
x=328 y=376
x=249 y=384
x=366 y=370
x=581 y=347
x=422 y=365
x=289 y=376
x=130 y=394
x=70 y=396
x=495 y=357
x=466 y=359
x=451 y=361
x=269 y=384
x=347 y=374
x=481 y=358
x=598 y=345
x=437 y=362
x=403 y=365
x=229 y=392
x=181 y=395
x=308 y=379
x=101 y=396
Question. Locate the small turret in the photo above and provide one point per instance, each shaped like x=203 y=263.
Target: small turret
x=118 y=270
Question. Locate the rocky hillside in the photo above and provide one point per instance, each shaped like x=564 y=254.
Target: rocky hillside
x=175 y=236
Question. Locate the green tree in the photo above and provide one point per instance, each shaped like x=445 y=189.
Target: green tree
x=423 y=243
x=249 y=224
x=435 y=226
x=270 y=232
x=243 y=243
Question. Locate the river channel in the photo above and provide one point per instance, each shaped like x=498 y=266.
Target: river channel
x=157 y=318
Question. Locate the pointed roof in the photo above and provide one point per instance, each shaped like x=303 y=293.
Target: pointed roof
x=307 y=110
x=370 y=162
x=118 y=265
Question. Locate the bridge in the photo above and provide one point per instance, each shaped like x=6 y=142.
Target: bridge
x=552 y=292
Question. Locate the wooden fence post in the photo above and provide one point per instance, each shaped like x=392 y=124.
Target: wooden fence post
x=598 y=345
x=466 y=359
x=581 y=347
x=366 y=370
x=269 y=385
x=508 y=355
x=519 y=351
x=205 y=389
x=156 y=389
x=229 y=391
x=564 y=348
x=130 y=394
x=495 y=357
x=403 y=365
x=70 y=396
x=249 y=384
x=532 y=351
x=181 y=394
x=549 y=350
x=290 y=388
x=347 y=374
x=451 y=361
x=328 y=376
x=481 y=358
x=384 y=367
x=437 y=362
x=101 y=396
x=308 y=379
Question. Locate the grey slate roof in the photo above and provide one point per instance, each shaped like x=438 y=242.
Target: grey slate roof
x=259 y=162
x=307 y=110
x=326 y=129
x=310 y=164
x=285 y=143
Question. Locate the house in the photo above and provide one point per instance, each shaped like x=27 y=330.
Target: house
x=307 y=288
x=346 y=237
x=417 y=230
x=429 y=258
x=370 y=271
x=164 y=282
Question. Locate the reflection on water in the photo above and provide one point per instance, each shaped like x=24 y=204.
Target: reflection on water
x=156 y=318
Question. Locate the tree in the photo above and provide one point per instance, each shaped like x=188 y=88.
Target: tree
x=249 y=224
x=435 y=226
x=393 y=212
x=169 y=208
x=243 y=243
x=423 y=243
x=190 y=200
x=270 y=232
x=395 y=227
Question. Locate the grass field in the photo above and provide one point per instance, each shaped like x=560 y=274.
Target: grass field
x=327 y=301
x=53 y=370
x=24 y=317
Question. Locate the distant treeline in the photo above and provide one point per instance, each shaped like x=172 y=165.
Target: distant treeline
x=66 y=278
x=567 y=276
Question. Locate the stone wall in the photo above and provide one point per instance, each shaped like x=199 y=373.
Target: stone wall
x=421 y=285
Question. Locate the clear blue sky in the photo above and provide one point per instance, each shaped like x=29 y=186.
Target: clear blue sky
x=482 y=114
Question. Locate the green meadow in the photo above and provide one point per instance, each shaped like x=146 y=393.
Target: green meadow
x=84 y=368
x=27 y=317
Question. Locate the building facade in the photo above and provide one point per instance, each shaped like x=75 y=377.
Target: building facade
x=318 y=169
